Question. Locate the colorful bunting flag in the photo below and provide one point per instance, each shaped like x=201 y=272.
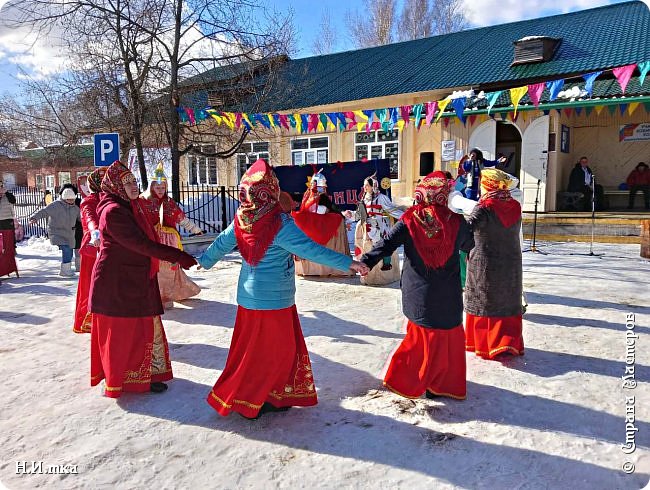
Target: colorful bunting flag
x=492 y=98
x=643 y=69
x=590 y=78
x=516 y=95
x=459 y=107
x=632 y=107
x=405 y=112
x=554 y=89
x=535 y=92
x=442 y=105
x=623 y=74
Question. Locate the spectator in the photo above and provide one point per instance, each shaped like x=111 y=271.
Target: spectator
x=78 y=228
x=62 y=216
x=582 y=180
x=7 y=201
x=639 y=180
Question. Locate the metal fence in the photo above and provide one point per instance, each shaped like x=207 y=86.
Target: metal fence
x=212 y=208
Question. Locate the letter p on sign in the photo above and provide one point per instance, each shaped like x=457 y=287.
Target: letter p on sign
x=107 y=148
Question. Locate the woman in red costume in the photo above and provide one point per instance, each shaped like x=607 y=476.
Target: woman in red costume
x=88 y=250
x=128 y=346
x=164 y=215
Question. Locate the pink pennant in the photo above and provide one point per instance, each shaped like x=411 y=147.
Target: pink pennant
x=376 y=125
x=568 y=111
x=431 y=111
x=351 y=117
x=623 y=75
x=284 y=121
x=238 y=120
x=535 y=92
x=190 y=115
x=405 y=111
x=313 y=122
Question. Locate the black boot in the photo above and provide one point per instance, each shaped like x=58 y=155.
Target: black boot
x=267 y=407
x=157 y=387
x=431 y=396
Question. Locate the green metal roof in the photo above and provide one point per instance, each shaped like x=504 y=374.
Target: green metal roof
x=592 y=40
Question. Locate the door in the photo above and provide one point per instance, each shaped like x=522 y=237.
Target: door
x=484 y=137
x=9 y=180
x=534 y=161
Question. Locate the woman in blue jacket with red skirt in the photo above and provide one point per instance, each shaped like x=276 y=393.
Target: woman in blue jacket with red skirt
x=268 y=367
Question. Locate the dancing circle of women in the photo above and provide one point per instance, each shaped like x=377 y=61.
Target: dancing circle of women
x=126 y=242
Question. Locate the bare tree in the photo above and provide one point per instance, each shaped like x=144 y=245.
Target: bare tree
x=325 y=40
x=416 y=20
x=375 y=26
x=449 y=16
x=150 y=46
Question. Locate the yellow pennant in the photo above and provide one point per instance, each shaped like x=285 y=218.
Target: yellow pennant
x=632 y=107
x=516 y=95
x=271 y=121
x=599 y=108
x=360 y=115
x=296 y=117
x=244 y=116
x=400 y=124
x=229 y=119
x=442 y=105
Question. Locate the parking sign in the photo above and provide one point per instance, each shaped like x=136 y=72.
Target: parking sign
x=107 y=148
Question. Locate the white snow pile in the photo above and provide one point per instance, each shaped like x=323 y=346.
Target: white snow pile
x=554 y=418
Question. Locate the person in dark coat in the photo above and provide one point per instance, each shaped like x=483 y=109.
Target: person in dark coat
x=493 y=292
x=582 y=180
x=639 y=180
x=431 y=358
x=128 y=344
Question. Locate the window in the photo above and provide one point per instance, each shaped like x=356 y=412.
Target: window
x=202 y=169
x=49 y=182
x=39 y=181
x=306 y=151
x=64 y=178
x=379 y=144
x=249 y=153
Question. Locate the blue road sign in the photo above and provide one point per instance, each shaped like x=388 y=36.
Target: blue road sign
x=107 y=148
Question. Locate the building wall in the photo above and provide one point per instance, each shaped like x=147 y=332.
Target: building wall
x=16 y=167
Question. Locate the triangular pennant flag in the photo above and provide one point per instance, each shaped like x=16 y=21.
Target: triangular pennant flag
x=229 y=119
x=590 y=78
x=369 y=116
x=535 y=92
x=446 y=121
x=400 y=124
x=459 y=107
x=246 y=124
x=304 y=123
x=611 y=109
x=492 y=98
x=442 y=105
x=260 y=118
x=588 y=111
x=516 y=94
x=392 y=116
x=472 y=119
x=190 y=115
x=514 y=117
x=567 y=112
x=623 y=74
x=284 y=121
x=546 y=112
x=182 y=115
x=431 y=111
x=237 y=120
x=361 y=115
x=554 y=88
x=405 y=113
x=361 y=126
x=417 y=113
x=632 y=107
x=599 y=108
x=323 y=121
x=643 y=68
x=202 y=115
x=578 y=110
x=622 y=108
x=504 y=116
x=646 y=106
x=215 y=115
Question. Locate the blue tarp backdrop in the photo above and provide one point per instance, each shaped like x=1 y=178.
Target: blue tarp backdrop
x=344 y=181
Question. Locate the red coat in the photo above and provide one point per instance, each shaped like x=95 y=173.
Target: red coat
x=122 y=285
x=639 y=178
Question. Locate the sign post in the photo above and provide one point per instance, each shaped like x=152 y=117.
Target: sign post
x=107 y=148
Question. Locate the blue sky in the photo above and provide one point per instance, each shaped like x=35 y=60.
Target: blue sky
x=41 y=59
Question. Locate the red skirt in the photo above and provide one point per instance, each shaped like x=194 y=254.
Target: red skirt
x=267 y=362
x=82 y=317
x=429 y=359
x=130 y=353
x=490 y=336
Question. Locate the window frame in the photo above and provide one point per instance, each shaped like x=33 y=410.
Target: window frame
x=199 y=168
x=318 y=155
x=250 y=156
x=377 y=142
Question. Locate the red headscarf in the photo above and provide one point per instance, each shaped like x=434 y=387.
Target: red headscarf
x=432 y=226
x=113 y=183
x=95 y=179
x=258 y=217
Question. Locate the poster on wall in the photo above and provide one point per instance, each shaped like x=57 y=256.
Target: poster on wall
x=448 y=150
x=564 y=139
x=151 y=158
x=634 y=132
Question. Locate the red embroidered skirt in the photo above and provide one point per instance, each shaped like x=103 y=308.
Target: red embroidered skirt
x=429 y=359
x=130 y=353
x=82 y=317
x=267 y=362
x=490 y=336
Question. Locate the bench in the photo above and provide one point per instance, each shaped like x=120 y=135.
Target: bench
x=619 y=199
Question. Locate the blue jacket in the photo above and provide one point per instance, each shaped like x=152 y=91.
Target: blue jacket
x=473 y=174
x=271 y=284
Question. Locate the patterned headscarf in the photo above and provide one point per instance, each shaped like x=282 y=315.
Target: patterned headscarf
x=113 y=180
x=95 y=179
x=258 y=217
x=432 y=226
x=495 y=195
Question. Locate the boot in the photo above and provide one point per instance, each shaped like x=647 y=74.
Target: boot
x=77 y=263
x=66 y=270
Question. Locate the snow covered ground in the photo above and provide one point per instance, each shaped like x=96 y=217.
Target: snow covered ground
x=554 y=418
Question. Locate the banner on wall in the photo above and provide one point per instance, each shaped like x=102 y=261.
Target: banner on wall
x=634 y=132
x=344 y=179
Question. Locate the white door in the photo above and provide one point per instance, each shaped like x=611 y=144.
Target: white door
x=9 y=180
x=534 y=160
x=484 y=137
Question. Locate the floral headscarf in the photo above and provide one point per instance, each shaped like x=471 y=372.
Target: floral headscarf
x=432 y=226
x=495 y=195
x=113 y=180
x=258 y=217
x=95 y=179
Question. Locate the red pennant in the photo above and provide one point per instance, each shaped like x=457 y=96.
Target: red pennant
x=472 y=119
x=568 y=111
